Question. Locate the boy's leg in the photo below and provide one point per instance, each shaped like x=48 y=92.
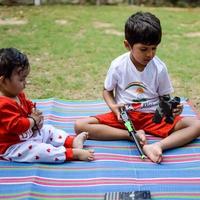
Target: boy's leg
x=98 y=131
x=186 y=130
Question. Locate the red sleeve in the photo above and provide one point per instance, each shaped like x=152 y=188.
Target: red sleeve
x=12 y=120
x=28 y=105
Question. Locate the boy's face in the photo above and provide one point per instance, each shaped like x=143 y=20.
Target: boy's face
x=141 y=54
x=16 y=83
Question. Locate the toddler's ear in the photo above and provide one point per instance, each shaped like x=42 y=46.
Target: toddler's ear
x=127 y=45
x=2 y=79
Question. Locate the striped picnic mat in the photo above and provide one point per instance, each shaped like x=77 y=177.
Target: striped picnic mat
x=117 y=166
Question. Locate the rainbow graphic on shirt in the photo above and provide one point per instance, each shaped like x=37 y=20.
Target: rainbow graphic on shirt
x=139 y=90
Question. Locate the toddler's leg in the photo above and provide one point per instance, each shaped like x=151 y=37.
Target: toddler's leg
x=58 y=137
x=53 y=135
x=31 y=151
x=83 y=154
x=79 y=140
x=75 y=151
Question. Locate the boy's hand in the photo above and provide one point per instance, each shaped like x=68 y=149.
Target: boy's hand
x=178 y=110
x=116 y=110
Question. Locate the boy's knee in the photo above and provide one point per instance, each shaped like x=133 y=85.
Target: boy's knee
x=83 y=125
x=79 y=126
x=197 y=124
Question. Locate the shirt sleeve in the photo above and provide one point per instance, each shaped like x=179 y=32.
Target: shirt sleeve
x=165 y=85
x=111 y=78
x=12 y=120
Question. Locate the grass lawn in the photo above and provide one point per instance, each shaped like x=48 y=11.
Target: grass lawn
x=70 y=47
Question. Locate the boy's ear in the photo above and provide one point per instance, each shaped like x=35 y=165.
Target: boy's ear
x=127 y=45
x=1 y=79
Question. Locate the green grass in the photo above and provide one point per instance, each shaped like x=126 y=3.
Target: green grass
x=70 y=60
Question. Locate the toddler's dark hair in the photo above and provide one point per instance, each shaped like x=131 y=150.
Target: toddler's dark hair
x=11 y=59
x=143 y=27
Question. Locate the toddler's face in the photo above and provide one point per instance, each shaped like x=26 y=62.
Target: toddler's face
x=141 y=54
x=16 y=83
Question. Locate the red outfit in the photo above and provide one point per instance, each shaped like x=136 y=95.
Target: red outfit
x=13 y=120
x=14 y=123
x=140 y=121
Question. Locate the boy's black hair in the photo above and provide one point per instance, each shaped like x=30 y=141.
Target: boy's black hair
x=11 y=59
x=143 y=27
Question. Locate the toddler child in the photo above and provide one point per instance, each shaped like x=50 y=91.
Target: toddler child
x=23 y=137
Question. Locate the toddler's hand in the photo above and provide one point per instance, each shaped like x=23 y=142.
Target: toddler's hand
x=41 y=123
x=36 y=111
x=38 y=118
x=37 y=114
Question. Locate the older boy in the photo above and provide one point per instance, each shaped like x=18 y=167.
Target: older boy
x=137 y=79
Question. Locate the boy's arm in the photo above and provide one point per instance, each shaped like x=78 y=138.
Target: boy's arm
x=179 y=108
x=109 y=99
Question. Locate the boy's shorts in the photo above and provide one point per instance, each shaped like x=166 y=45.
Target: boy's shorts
x=140 y=121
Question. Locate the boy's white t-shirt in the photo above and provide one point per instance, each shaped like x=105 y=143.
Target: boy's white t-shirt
x=140 y=90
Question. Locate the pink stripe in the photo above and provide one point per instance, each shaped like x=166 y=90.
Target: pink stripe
x=129 y=158
x=74 y=104
x=99 y=181
x=61 y=119
x=191 y=194
x=110 y=147
x=51 y=196
x=131 y=146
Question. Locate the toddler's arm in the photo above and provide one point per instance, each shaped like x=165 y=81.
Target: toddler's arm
x=36 y=118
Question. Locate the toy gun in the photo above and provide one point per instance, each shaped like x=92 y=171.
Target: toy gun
x=165 y=109
x=129 y=125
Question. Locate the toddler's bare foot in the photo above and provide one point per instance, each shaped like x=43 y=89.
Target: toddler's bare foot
x=79 y=140
x=83 y=154
x=153 y=152
x=141 y=137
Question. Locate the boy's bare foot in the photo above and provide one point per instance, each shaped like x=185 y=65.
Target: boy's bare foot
x=83 y=154
x=141 y=137
x=79 y=140
x=153 y=152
